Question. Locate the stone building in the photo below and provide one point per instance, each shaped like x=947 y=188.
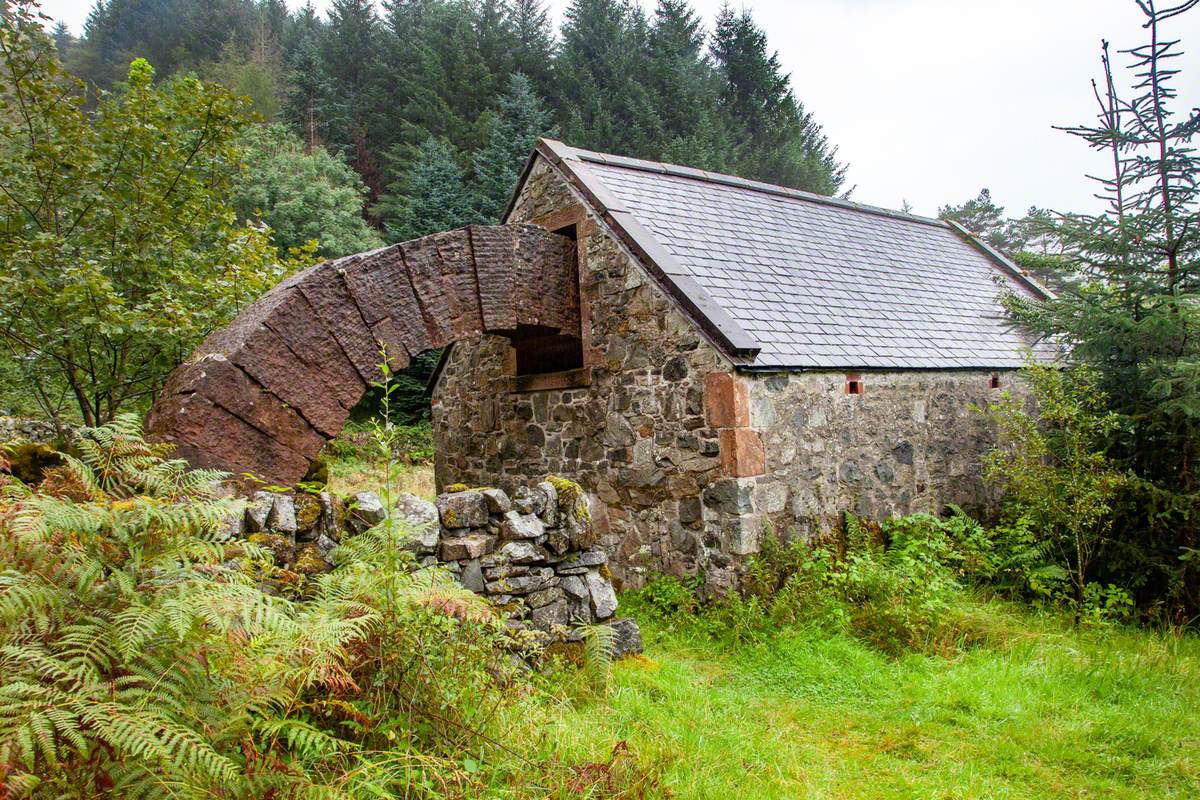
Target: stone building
x=745 y=354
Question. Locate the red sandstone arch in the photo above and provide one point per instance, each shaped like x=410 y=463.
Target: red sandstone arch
x=263 y=394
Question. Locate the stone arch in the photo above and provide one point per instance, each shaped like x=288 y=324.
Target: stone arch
x=263 y=394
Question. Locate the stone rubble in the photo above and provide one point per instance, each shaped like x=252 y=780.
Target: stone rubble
x=532 y=555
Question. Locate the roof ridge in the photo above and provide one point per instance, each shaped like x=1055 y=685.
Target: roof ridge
x=680 y=171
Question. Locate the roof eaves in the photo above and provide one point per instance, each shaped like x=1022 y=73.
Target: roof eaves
x=669 y=271
x=1002 y=260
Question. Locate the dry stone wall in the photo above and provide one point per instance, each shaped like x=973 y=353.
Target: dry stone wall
x=533 y=556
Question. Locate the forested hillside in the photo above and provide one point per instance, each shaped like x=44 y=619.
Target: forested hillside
x=435 y=103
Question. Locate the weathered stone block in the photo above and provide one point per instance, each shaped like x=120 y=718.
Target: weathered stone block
x=365 y=511
x=282 y=518
x=497 y=501
x=520 y=552
x=257 y=511
x=463 y=509
x=471 y=577
x=521 y=526
x=548 y=616
x=627 y=637
x=604 y=599
x=473 y=546
x=726 y=400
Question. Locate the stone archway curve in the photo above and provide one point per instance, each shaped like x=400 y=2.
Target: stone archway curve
x=263 y=394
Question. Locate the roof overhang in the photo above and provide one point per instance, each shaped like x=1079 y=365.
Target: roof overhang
x=667 y=270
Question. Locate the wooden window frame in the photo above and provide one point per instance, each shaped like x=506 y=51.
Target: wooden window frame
x=573 y=378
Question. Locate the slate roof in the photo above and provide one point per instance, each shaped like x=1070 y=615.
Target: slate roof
x=787 y=279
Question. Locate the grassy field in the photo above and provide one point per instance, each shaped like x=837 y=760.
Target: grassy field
x=1050 y=712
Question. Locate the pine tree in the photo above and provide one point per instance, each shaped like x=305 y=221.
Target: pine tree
x=433 y=197
x=514 y=131
x=983 y=218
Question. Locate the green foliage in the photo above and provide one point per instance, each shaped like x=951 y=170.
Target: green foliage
x=1053 y=468
x=433 y=198
x=372 y=84
x=512 y=133
x=1132 y=316
x=142 y=660
x=118 y=250
x=303 y=196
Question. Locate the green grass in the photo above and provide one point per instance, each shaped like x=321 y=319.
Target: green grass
x=1050 y=712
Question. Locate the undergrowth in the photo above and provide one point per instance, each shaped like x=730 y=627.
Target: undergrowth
x=141 y=658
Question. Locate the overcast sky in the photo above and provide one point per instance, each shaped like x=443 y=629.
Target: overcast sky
x=930 y=100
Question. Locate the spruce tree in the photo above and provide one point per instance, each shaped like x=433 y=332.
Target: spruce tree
x=686 y=90
x=513 y=133
x=1134 y=315
x=782 y=143
x=353 y=55
x=433 y=196
x=600 y=67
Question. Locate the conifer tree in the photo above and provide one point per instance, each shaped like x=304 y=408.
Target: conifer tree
x=782 y=143
x=353 y=55
x=686 y=90
x=514 y=131
x=1134 y=317
x=433 y=197
x=600 y=66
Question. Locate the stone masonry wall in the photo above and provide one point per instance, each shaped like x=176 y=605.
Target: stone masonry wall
x=912 y=441
x=636 y=437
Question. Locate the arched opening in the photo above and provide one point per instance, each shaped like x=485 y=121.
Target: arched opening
x=264 y=394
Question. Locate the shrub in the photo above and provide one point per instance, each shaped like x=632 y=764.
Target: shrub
x=1053 y=467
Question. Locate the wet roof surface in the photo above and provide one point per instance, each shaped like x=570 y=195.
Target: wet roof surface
x=819 y=282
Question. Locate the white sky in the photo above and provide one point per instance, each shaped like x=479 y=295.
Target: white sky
x=930 y=100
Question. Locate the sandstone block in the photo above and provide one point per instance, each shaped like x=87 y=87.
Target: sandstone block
x=742 y=453
x=726 y=400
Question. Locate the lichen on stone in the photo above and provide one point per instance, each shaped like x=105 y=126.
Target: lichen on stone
x=308 y=511
x=455 y=488
x=309 y=560
x=571 y=497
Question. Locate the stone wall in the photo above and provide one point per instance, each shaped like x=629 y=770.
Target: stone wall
x=532 y=556
x=912 y=441
x=635 y=436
